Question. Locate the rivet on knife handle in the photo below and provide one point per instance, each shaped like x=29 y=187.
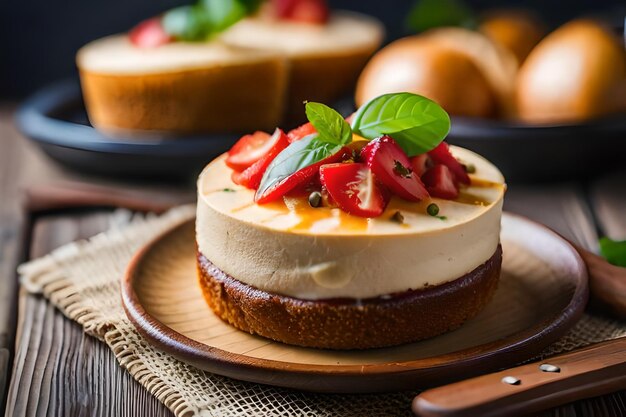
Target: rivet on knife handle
x=595 y=370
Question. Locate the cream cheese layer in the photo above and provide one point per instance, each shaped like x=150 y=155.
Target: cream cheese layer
x=292 y=249
x=117 y=55
x=344 y=32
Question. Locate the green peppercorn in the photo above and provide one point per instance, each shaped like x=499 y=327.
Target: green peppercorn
x=432 y=209
x=315 y=199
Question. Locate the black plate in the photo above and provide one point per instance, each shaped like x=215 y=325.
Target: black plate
x=545 y=153
x=56 y=120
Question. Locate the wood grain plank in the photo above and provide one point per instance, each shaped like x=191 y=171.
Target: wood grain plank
x=608 y=196
x=562 y=207
x=60 y=371
x=4 y=374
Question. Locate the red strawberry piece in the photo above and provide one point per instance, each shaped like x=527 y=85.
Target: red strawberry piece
x=283 y=8
x=299 y=178
x=420 y=164
x=249 y=149
x=441 y=155
x=149 y=34
x=251 y=176
x=440 y=182
x=300 y=132
x=353 y=187
x=305 y=11
x=393 y=168
x=327 y=198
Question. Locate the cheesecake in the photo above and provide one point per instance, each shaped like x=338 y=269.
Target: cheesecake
x=353 y=253
x=180 y=87
x=180 y=73
x=325 y=60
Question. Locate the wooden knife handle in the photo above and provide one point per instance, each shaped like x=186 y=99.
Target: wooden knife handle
x=607 y=283
x=63 y=196
x=595 y=370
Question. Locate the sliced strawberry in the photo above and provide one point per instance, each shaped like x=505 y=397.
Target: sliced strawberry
x=249 y=149
x=353 y=187
x=251 y=176
x=301 y=177
x=149 y=34
x=420 y=164
x=305 y=11
x=300 y=132
x=441 y=155
x=283 y=8
x=393 y=168
x=440 y=182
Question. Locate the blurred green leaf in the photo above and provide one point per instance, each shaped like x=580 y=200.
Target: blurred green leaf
x=252 y=6
x=613 y=251
x=429 y=14
x=188 y=23
x=223 y=13
x=208 y=17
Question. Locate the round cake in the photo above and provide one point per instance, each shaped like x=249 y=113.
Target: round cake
x=181 y=86
x=324 y=60
x=321 y=277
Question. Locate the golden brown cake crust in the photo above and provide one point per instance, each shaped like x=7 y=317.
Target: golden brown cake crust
x=322 y=78
x=238 y=98
x=345 y=323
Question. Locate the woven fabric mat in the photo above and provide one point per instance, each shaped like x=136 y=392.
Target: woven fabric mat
x=82 y=280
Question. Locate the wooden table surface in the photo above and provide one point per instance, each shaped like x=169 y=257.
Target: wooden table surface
x=53 y=369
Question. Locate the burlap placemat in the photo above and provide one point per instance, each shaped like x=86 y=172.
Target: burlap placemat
x=82 y=280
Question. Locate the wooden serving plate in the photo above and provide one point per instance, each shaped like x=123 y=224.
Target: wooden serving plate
x=542 y=293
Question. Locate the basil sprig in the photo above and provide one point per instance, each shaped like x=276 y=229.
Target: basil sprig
x=613 y=251
x=331 y=126
x=415 y=122
x=418 y=124
x=199 y=21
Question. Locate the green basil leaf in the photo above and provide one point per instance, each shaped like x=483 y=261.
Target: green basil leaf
x=614 y=252
x=223 y=13
x=296 y=156
x=252 y=6
x=187 y=23
x=418 y=124
x=330 y=125
x=429 y=14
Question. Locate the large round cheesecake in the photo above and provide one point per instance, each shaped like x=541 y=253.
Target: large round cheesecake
x=181 y=86
x=321 y=277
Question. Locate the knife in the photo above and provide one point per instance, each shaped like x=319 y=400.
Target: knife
x=592 y=371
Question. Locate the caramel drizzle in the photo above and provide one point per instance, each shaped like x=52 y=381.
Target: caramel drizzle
x=309 y=216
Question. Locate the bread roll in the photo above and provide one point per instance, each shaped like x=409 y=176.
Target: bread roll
x=576 y=73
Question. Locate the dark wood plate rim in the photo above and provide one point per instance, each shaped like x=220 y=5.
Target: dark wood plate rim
x=442 y=368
